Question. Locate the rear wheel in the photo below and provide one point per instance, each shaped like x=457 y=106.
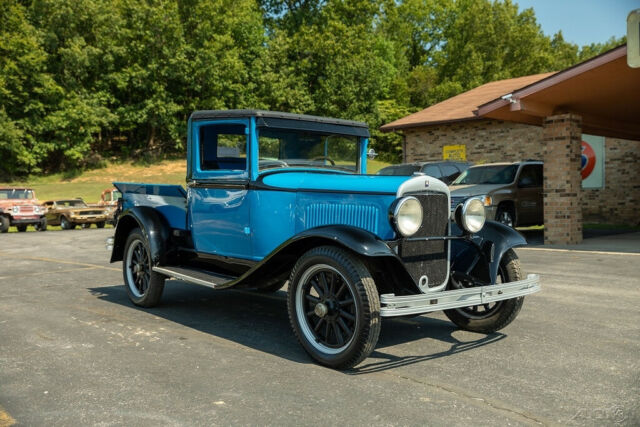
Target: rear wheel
x=334 y=307
x=42 y=225
x=100 y=224
x=21 y=228
x=144 y=286
x=494 y=316
x=4 y=224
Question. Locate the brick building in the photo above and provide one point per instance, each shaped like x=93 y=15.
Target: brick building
x=545 y=116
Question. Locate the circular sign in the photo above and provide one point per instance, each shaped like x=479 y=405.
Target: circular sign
x=588 y=161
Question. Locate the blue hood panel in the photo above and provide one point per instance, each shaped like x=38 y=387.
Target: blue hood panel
x=321 y=180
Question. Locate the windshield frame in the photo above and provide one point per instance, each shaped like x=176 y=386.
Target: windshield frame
x=354 y=168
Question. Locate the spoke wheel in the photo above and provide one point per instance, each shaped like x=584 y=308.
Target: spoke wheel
x=326 y=309
x=334 y=307
x=138 y=268
x=143 y=285
x=487 y=318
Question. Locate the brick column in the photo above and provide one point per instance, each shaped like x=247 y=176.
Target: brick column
x=562 y=135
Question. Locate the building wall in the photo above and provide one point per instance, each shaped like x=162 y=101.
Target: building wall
x=494 y=141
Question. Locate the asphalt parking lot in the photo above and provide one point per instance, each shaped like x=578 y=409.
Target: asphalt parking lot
x=74 y=351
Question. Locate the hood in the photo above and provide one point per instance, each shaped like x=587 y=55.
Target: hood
x=18 y=202
x=330 y=181
x=473 y=189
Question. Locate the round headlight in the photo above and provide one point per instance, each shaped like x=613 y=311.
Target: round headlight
x=471 y=216
x=407 y=216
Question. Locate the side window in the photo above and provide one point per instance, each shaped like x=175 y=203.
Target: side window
x=223 y=147
x=530 y=176
x=432 y=170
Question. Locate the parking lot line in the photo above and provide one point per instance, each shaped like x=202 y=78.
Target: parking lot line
x=583 y=251
x=59 y=261
x=46 y=272
x=5 y=419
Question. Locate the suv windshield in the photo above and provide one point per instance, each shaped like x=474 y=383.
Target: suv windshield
x=504 y=174
x=280 y=148
x=16 y=194
x=399 y=170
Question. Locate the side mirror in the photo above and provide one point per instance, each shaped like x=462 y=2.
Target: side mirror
x=371 y=154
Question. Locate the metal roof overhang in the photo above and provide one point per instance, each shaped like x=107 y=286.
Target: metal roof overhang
x=604 y=90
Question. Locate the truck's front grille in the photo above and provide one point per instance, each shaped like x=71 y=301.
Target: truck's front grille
x=429 y=258
x=25 y=209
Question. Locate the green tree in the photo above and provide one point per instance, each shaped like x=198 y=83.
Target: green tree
x=27 y=93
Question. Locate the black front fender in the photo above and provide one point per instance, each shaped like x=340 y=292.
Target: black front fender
x=364 y=243
x=482 y=255
x=154 y=228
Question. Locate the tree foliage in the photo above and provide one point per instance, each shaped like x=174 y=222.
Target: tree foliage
x=84 y=79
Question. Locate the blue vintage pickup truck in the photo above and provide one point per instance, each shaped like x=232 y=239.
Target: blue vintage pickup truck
x=277 y=199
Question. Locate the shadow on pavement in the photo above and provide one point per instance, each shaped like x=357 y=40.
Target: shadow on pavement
x=398 y=331
x=260 y=321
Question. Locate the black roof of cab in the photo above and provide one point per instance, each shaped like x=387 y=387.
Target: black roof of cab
x=303 y=122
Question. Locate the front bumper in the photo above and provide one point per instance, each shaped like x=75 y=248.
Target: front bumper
x=405 y=305
x=28 y=220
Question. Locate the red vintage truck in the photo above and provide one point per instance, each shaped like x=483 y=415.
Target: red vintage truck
x=20 y=208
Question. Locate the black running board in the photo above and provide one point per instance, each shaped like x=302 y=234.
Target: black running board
x=196 y=276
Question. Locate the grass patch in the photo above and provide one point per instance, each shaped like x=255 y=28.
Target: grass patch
x=89 y=184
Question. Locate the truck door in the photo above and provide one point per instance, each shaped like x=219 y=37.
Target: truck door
x=530 y=207
x=218 y=214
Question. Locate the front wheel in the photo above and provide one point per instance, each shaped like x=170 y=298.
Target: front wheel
x=65 y=224
x=144 y=286
x=100 y=224
x=492 y=317
x=334 y=307
x=506 y=216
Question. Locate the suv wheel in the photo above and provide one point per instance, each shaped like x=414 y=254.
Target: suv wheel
x=334 y=307
x=4 y=224
x=21 y=228
x=505 y=216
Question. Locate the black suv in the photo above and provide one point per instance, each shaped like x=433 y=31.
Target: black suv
x=444 y=171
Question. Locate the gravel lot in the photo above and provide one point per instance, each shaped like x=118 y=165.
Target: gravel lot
x=74 y=351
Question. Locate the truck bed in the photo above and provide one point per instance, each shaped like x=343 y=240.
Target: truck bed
x=168 y=200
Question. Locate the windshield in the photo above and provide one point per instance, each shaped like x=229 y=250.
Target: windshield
x=71 y=203
x=504 y=174
x=399 y=170
x=16 y=194
x=280 y=148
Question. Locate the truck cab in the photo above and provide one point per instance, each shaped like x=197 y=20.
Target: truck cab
x=274 y=198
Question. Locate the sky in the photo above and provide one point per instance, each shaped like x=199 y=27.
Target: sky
x=582 y=21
